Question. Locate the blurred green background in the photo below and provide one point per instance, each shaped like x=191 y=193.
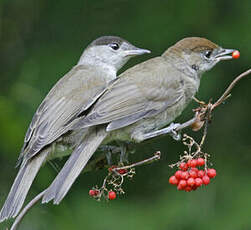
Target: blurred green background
x=41 y=40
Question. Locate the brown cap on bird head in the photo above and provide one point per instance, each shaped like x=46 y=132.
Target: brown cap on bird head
x=199 y=53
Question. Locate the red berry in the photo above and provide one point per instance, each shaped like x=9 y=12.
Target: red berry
x=198 y=182
x=173 y=180
x=92 y=192
x=206 y=180
x=211 y=173
x=200 y=161
x=112 y=195
x=195 y=169
x=178 y=174
x=122 y=171
x=188 y=188
x=189 y=163
x=236 y=54
x=194 y=187
x=182 y=183
x=185 y=175
x=193 y=163
x=191 y=182
x=179 y=187
x=201 y=173
x=112 y=167
x=183 y=166
x=193 y=173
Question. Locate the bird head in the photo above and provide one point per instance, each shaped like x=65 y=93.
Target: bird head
x=110 y=51
x=197 y=54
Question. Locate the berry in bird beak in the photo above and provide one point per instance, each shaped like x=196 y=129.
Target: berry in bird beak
x=236 y=54
x=227 y=54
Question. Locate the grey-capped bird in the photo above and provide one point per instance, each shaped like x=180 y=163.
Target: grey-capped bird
x=144 y=99
x=68 y=100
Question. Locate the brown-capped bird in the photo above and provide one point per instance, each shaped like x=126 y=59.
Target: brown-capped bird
x=140 y=102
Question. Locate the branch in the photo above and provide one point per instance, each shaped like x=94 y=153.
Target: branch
x=156 y=156
x=115 y=178
x=203 y=113
x=26 y=209
x=226 y=94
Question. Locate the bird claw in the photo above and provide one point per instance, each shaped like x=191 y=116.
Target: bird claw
x=173 y=133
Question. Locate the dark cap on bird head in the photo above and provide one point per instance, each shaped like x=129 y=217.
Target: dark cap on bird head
x=116 y=43
x=105 y=40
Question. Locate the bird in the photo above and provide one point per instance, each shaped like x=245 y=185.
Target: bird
x=48 y=135
x=139 y=103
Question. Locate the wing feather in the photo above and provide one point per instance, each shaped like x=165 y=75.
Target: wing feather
x=137 y=94
x=71 y=96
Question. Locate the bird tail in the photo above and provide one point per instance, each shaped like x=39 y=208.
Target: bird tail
x=21 y=186
x=74 y=165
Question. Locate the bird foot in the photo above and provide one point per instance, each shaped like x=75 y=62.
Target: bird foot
x=109 y=150
x=173 y=133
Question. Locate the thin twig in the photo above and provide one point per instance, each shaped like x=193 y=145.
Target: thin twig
x=225 y=95
x=26 y=209
x=204 y=133
x=155 y=157
x=203 y=113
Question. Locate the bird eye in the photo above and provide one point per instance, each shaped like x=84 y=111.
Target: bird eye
x=208 y=53
x=114 y=46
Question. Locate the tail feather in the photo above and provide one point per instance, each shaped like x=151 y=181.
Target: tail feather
x=21 y=186
x=74 y=165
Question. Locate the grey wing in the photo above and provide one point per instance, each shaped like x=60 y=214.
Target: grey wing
x=56 y=113
x=125 y=103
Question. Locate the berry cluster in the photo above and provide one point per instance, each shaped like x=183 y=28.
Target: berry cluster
x=112 y=185
x=189 y=177
x=95 y=193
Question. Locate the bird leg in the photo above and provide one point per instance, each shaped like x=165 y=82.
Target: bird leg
x=109 y=157
x=171 y=129
x=125 y=147
x=173 y=132
x=109 y=149
x=123 y=154
x=121 y=148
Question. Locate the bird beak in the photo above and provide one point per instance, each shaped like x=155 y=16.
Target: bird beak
x=224 y=54
x=136 y=51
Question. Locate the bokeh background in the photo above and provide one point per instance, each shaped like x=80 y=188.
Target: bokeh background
x=41 y=40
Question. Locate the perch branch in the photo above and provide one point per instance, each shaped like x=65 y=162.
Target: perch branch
x=156 y=156
x=226 y=94
x=26 y=209
x=204 y=112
